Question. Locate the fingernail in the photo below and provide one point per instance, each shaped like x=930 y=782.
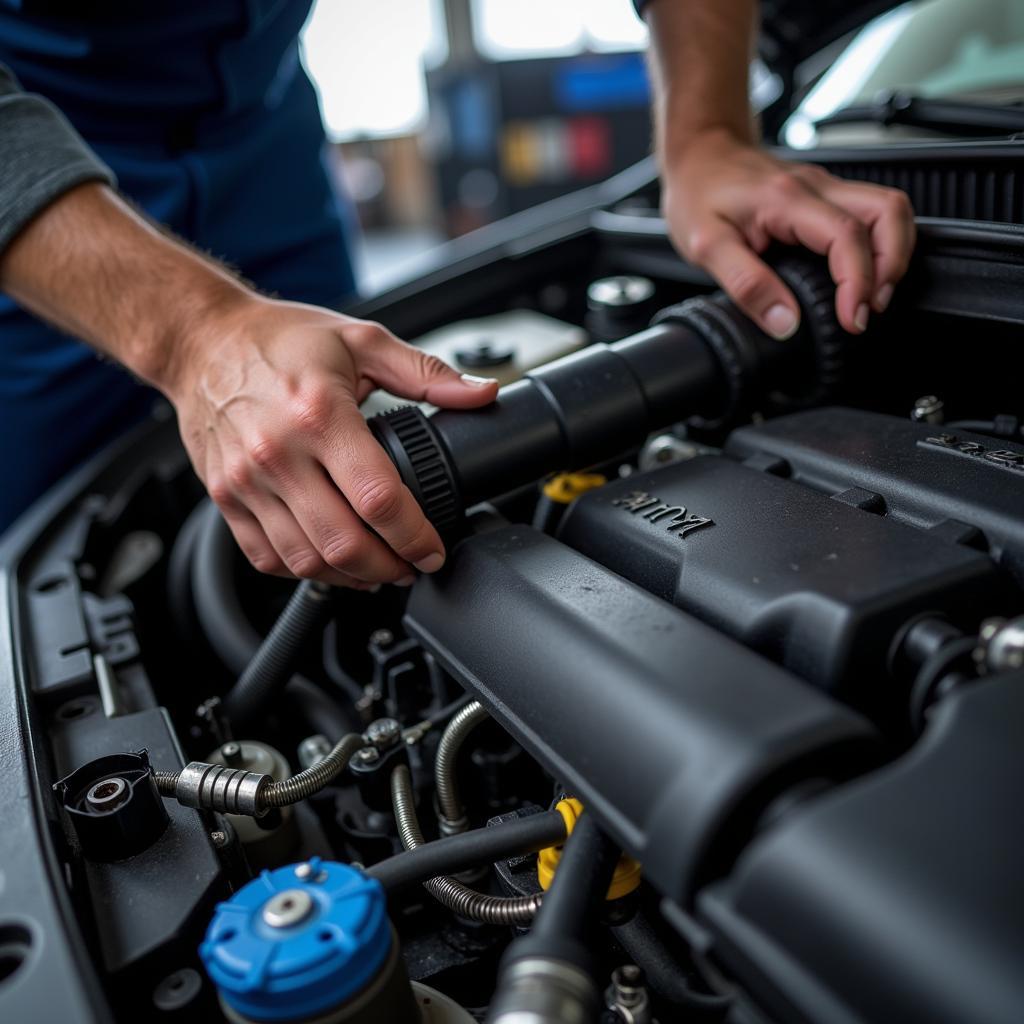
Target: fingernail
x=860 y=318
x=406 y=581
x=781 y=322
x=883 y=297
x=431 y=563
x=477 y=382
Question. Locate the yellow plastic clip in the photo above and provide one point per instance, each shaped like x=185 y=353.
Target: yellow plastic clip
x=564 y=488
x=627 y=871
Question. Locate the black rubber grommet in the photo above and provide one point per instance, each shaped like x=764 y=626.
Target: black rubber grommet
x=407 y=437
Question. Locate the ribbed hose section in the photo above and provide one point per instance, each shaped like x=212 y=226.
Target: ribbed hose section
x=272 y=794
x=314 y=778
x=458 y=898
x=273 y=664
x=449 y=802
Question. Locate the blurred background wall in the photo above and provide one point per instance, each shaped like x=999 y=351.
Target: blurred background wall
x=445 y=115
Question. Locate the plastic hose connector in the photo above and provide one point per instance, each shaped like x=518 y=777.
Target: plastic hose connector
x=408 y=438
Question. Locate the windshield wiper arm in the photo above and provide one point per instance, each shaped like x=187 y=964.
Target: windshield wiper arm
x=959 y=117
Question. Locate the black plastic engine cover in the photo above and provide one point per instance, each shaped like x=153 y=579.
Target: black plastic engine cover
x=674 y=735
x=937 y=478
x=899 y=896
x=818 y=584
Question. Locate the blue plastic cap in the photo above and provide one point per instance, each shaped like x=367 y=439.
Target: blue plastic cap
x=274 y=971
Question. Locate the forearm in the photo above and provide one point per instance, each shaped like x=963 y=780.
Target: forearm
x=92 y=266
x=700 y=55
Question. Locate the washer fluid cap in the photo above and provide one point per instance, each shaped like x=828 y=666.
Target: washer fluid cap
x=297 y=941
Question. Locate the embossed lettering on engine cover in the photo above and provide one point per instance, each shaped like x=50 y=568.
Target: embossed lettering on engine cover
x=1003 y=457
x=674 y=517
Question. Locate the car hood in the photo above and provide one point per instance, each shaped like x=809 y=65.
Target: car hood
x=792 y=30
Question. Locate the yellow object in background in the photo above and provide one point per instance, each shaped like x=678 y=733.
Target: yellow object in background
x=567 y=487
x=627 y=871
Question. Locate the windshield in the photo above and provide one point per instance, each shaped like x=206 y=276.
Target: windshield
x=954 y=49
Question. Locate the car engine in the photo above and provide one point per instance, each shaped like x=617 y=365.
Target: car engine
x=713 y=714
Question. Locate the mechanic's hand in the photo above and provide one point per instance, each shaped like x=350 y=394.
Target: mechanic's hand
x=268 y=406
x=726 y=200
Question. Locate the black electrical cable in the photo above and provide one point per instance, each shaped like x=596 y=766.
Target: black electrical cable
x=452 y=854
x=639 y=939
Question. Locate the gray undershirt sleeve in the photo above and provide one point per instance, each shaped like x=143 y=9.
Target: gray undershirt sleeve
x=41 y=157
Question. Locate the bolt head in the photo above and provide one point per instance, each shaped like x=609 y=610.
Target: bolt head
x=382 y=638
x=231 y=752
x=384 y=733
x=287 y=908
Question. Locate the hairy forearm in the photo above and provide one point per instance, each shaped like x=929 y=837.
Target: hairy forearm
x=700 y=55
x=95 y=268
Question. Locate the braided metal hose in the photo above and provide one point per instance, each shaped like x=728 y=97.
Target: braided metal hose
x=459 y=898
x=452 y=811
x=237 y=791
x=314 y=778
x=166 y=782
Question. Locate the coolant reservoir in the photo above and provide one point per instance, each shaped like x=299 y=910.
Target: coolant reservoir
x=313 y=941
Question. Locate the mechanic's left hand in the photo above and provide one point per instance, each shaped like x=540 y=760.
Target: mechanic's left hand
x=726 y=200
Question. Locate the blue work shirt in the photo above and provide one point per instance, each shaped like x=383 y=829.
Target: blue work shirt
x=206 y=116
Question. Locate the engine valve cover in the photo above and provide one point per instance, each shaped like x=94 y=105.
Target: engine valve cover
x=814 y=582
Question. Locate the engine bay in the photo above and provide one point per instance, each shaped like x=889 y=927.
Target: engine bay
x=730 y=635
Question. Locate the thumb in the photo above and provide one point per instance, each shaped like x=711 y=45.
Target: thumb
x=752 y=284
x=411 y=373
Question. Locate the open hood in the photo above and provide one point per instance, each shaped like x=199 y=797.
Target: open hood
x=792 y=30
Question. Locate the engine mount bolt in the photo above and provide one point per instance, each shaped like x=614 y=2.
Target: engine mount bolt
x=384 y=733
x=219 y=838
x=107 y=795
x=928 y=409
x=287 y=908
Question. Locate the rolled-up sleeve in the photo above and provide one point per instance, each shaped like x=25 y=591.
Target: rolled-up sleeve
x=41 y=157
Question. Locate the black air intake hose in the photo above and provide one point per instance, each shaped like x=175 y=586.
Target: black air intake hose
x=702 y=359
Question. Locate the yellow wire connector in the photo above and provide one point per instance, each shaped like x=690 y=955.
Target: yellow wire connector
x=627 y=871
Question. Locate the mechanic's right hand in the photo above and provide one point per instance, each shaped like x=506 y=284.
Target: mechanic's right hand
x=268 y=407
x=726 y=200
